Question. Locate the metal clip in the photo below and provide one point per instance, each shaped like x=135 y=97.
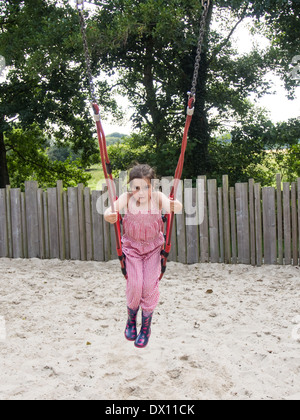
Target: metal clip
x=97 y=117
x=191 y=95
x=190 y=111
x=205 y=3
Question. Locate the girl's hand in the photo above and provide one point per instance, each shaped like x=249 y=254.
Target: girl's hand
x=175 y=206
x=111 y=218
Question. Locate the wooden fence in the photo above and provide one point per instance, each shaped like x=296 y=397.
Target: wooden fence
x=245 y=224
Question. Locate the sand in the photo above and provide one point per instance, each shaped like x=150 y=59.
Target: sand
x=219 y=332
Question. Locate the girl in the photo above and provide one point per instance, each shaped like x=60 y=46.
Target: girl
x=142 y=241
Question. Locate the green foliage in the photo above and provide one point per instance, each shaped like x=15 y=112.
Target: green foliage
x=28 y=160
x=62 y=154
x=259 y=150
x=144 y=50
x=115 y=138
x=152 y=54
x=132 y=149
x=46 y=86
x=293 y=162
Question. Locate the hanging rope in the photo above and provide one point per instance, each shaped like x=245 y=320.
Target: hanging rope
x=190 y=112
x=106 y=164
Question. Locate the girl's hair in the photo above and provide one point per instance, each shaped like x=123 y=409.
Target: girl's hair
x=141 y=172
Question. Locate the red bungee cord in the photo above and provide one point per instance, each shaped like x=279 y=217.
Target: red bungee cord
x=107 y=169
x=178 y=173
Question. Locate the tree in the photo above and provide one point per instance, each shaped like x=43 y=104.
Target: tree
x=146 y=50
x=41 y=43
x=27 y=159
x=150 y=47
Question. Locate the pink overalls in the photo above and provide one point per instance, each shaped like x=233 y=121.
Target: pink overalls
x=142 y=244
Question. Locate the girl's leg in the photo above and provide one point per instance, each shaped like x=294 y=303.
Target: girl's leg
x=134 y=288
x=151 y=274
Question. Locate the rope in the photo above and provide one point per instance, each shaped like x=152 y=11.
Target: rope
x=110 y=185
x=87 y=55
x=190 y=112
x=107 y=168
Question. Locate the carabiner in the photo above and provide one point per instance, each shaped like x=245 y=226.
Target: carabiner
x=191 y=104
x=205 y=3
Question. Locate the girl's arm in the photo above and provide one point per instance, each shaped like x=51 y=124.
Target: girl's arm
x=168 y=205
x=120 y=204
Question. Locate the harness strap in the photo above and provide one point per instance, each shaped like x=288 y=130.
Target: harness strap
x=107 y=169
x=190 y=113
x=170 y=217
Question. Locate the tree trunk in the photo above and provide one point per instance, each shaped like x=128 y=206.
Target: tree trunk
x=158 y=121
x=199 y=163
x=199 y=131
x=4 y=177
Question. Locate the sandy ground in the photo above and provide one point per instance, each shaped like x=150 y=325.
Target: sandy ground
x=219 y=332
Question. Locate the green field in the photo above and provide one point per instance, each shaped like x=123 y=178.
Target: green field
x=95 y=183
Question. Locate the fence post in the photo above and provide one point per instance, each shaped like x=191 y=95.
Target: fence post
x=258 y=224
x=88 y=224
x=252 y=222
x=233 y=225
x=203 y=213
x=287 y=223
x=294 y=224
x=24 y=229
x=192 y=245
x=180 y=231
x=213 y=221
x=221 y=223
x=41 y=222
x=98 y=229
x=61 y=220
x=46 y=224
x=243 y=232
x=226 y=219
x=3 y=225
x=32 y=223
x=279 y=219
x=269 y=225
x=298 y=195
x=16 y=224
x=81 y=216
x=9 y=227
x=74 y=233
x=53 y=223
x=66 y=225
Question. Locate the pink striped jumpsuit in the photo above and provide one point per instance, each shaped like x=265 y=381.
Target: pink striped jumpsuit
x=142 y=244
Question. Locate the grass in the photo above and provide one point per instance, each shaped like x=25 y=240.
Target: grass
x=95 y=183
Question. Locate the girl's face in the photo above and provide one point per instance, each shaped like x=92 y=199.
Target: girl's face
x=141 y=190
